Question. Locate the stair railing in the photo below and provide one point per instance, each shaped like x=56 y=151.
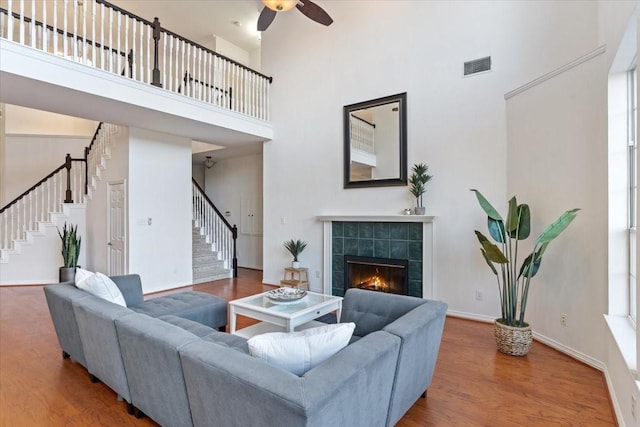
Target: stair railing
x=81 y=31
x=214 y=225
x=24 y=212
x=68 y=183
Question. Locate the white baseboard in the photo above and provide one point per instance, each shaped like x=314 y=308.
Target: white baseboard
x=588 y=360
x=34 y=282
x=471 y=316
x=614 y=399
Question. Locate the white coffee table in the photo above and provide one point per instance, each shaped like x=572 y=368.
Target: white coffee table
x=281 y=317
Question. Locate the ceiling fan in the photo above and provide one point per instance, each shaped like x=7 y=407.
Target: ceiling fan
x=307 y=7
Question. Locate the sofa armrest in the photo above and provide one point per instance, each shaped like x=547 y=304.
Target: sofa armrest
x=131 y=287
x=60 y=298
x=421 y=332
x=96 y=318
x=336 y=392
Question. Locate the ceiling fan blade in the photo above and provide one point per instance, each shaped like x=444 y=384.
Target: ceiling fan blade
x=314 y=12
x=266 y=18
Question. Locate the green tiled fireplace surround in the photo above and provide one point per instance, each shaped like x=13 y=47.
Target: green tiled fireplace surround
x=400 y=240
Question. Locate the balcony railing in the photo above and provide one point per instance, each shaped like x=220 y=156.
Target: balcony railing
x=99 y=34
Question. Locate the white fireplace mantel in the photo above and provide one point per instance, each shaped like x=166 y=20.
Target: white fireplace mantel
x=376 y=218
x=427 y=244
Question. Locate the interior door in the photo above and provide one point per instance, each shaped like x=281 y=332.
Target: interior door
x=117 y=229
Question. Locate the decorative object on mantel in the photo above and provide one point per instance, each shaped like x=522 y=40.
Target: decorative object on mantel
x=418 y=182
x=70 y=252
x=407 y=211
x=295 y=247
x=512 y=333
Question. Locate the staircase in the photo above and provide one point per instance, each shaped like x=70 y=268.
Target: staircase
x=214 y=240
x=207 y=263
x=29 y=241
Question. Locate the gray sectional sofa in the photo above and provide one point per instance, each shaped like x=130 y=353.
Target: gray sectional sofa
x=85 y=328
x=182 y=373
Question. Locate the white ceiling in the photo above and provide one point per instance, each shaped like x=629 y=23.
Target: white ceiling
x=200 y=20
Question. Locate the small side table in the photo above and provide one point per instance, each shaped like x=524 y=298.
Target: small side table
x=296 y=278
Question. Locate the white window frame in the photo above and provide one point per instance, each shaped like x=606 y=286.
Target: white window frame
x=632 y=111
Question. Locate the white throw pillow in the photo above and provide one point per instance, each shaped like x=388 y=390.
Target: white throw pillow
x=297 y=352
x=99 y=285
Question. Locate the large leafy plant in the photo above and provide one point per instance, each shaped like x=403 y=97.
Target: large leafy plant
x=70 y=245
x=502 y=258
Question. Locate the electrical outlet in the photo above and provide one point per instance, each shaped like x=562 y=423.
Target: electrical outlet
x=563 y=319
x=317 y=274
x=478 y=295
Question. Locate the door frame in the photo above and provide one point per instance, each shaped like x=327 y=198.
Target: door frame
x=125 y=248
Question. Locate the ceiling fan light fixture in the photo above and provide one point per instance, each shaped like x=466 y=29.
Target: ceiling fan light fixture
x=280 y=5
x=209 y=162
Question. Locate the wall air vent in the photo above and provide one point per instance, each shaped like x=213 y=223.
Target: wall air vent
x=477 y=66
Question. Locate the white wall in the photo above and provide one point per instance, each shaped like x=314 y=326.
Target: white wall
x=557 y=155
x=22 y=120
x=2 y=145
x=226 y=184
x=160 y=188
x=197 y=173
x=231 y=51
x=456 y=125
x=386 y=142
x=116 y=169
x=34 y=143
x=29 y=158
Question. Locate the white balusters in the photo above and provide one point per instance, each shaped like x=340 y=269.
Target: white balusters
x=10 y=20
x=147 y=39
x=214 y=227
x=185 y=67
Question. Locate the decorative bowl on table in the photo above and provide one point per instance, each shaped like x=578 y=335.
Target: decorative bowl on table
x=286 y=295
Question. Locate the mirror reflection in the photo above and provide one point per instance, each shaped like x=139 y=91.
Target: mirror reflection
x=375 y=142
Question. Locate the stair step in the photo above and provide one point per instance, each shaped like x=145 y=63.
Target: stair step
x=211 y=267
x=221 y=276
x=204 y=258
x=205 y=248
x=207 y=263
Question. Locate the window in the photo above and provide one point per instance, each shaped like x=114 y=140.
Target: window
x=632 y=184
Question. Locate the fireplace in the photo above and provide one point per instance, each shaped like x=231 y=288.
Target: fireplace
x=376 y=274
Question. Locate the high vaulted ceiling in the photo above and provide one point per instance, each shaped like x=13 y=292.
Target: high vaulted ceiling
x=199 y=20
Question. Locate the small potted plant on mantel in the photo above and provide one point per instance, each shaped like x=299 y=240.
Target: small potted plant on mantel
x=512 y=333
x=70 y=252
x=418 y=182
x=295 y=247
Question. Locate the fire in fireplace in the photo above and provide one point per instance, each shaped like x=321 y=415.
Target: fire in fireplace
x=376 y=274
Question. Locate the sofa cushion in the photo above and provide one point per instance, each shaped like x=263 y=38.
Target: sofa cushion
x=372 y=311
x=197 y=306
x=99 y=285
x=197 y=329
x=232 y=341
x=300 y=351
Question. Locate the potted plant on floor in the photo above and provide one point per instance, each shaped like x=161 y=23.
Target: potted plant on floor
x=418 y=182
x=512 y=333
x=295 y=247
x=70 y=252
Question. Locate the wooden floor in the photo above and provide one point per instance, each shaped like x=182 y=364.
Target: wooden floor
x=473 y=385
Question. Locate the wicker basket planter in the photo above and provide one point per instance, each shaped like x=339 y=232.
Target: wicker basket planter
x=512 y=340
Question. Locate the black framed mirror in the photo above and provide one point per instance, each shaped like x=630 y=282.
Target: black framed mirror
x=375 y=142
